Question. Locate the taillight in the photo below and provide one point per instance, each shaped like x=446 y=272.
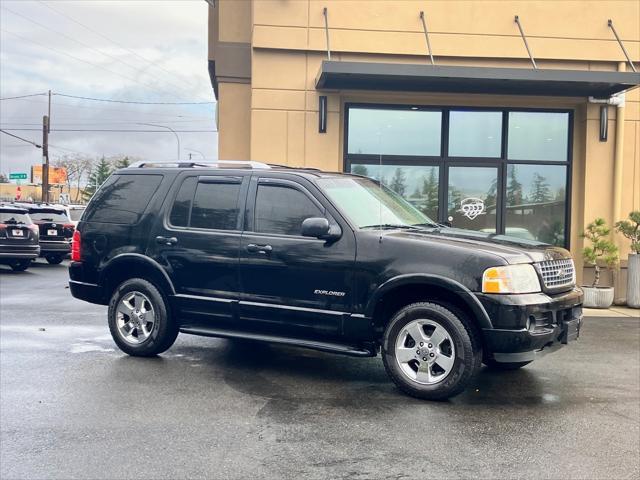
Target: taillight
x=75 y=247
x=3 y=228
x=69 y=225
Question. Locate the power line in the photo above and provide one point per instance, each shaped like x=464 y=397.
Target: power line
x=108 y=130
x=87 y=62
x=95 y=32
x=64 y=35
x=20 y=138
x=131 y=101
x=24 y=96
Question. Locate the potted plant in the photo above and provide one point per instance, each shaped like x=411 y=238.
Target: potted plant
x=603 y=250
x=631 y=230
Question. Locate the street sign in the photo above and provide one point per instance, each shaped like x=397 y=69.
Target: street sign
x=17 y=176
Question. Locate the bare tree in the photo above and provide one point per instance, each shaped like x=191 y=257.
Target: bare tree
x=78 y=168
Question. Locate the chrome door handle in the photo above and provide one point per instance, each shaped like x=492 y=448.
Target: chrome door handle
x=253 y=248
x=166 y=240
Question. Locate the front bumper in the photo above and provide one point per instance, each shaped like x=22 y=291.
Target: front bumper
x=525 y=325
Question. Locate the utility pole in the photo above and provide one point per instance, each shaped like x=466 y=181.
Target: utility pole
x=46 y=128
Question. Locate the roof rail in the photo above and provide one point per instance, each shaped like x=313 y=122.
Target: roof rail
x=277 y=165
x=216 y=164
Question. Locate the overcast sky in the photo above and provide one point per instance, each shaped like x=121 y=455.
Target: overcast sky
x=133 y=50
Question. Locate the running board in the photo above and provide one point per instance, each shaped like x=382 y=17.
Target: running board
x=296 y=342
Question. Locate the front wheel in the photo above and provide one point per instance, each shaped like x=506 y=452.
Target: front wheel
x=139 y=319
x=54 y=259
x=430 y=352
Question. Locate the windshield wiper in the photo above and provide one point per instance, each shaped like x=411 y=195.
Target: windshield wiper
x=387 y=226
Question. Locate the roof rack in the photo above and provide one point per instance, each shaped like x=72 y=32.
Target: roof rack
x=218 y=164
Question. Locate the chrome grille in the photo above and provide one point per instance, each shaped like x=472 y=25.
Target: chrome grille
x=557 y=273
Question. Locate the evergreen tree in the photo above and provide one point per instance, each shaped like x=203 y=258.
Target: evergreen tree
x=122 y=162
x=430 y=192
x=491 y=199
x=3 y=178
x=360 y=170
x=398 y=182
x=514 y=188
x=97 y=177
x=540 y=191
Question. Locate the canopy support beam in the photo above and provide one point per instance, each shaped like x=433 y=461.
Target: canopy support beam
x=526 y=44
x=426 y=36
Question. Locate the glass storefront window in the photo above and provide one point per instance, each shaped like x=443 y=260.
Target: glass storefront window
x=473 y=193
x=417 y=184
x=394 y=132
x=535 y=202
x=475 y=134
x=541 y=136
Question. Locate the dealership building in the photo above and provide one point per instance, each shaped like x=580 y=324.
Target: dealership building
x=498 y=116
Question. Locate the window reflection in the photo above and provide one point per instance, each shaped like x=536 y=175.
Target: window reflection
x=417 y=184
x=538 y=136
x=475 y=134
x=473 y=193
x=215 y=206
x=282 y=210
x=394 y=132
x=536 y=199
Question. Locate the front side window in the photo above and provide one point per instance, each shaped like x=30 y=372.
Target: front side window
x=281 y=210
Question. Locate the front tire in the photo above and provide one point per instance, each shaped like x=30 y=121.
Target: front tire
x=54 y=259
x=430 y=352
x=139 y=319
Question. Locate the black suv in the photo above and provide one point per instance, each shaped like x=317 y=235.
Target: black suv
x=328 y=261
x=56 y=230
x=18 y=238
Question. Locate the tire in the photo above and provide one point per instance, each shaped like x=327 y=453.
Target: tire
x=493 y=365
x=145 y=298
x=20 y=265
x=460 y=353
x=54 y=259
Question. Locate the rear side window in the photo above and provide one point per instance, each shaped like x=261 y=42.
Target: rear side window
x=282 y=210
x=211 y=204
x=122 y=198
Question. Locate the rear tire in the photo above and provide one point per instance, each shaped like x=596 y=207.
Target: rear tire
x=20 y=265
x=493 y=365
x=54 y=259
x=448 y=342
x=139 y=319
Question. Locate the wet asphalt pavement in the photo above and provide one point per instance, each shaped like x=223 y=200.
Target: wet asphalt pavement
x=73 y=406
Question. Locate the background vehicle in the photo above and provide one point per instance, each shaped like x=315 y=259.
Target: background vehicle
x=329 y=261
x=74 y=212
x=18 y=238
x=56 y=231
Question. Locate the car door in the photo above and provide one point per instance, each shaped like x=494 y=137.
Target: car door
x=293 y=285
x=197 y=243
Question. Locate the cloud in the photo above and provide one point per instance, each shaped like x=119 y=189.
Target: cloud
x=127 y=50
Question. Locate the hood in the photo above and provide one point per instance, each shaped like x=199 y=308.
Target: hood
x=512 y=249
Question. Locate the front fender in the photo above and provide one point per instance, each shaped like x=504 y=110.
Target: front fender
x=462 y=292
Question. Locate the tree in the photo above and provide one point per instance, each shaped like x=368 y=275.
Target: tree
x=398 y=182
x=120 y=162
x=360 y=170
x=601 y=247
x=430 y=193
x=98 y=175
x=77 y=167
x=540 y=191
x=491 y=199
x=514 y=188
x=4 y=178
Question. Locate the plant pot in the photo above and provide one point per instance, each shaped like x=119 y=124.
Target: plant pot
x=633 y=280
x=597 y=297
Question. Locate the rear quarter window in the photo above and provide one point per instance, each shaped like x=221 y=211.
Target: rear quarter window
x=122 y=199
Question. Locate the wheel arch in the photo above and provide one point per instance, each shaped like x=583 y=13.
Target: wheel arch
x=120 y=268
x=405 y=289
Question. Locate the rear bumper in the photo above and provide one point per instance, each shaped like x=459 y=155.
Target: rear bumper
x=22 y=252
x=526 y=325
x=89 y=292
x=60 y=247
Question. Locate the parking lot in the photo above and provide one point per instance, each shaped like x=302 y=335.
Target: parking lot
x=73 y=406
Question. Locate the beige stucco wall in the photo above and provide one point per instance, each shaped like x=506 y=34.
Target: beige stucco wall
x=279 y=119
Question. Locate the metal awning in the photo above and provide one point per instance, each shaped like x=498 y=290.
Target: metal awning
x=446 y=79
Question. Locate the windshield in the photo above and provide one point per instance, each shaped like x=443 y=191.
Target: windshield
x=50 y=216
x=16 y=218
x=368 y=205
x=76 y=213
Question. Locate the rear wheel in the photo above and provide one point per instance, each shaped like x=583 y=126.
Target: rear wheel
x=430 y=352
x=492 y=364
x=20 y=265
x=54 y=259
x=139 y=319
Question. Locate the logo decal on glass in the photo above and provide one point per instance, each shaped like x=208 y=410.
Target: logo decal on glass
x=472 y=207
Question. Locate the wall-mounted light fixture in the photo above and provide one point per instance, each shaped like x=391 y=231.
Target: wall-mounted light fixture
x=322 y=114
x=604 y=122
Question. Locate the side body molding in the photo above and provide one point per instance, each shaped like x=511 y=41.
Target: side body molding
x=456 y=288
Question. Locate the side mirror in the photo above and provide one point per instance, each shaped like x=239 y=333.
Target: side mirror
x=319 y=227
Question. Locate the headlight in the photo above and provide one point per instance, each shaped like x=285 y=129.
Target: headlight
x=510 y=279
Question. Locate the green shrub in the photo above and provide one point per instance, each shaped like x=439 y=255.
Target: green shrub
x=631 y=230
x=601 y=247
